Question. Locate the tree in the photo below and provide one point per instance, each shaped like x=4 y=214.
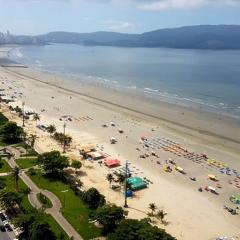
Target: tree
x=110 y=178
x=109 y=216
x=76 y=165
x=10 y=199
x=152 y=207
x=34 y=225
x=2 y=183
x=53 y=162
x=24 y=140
x=121 y=179
x=93 y=198
x=15 y=174
x=62 y=139
x=161 y=215
x=32 y=138
x=132 y=229
x=11 y=133
x=51 y=129
x=36 y=117
x=42 y=230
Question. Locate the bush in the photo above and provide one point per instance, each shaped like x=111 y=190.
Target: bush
x=11 y=133
x=109 y=216
x=3 y=119
x=32 y=171
x=129 y=229
x=93 y=198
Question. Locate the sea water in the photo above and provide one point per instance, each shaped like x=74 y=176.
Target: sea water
x=200 y=78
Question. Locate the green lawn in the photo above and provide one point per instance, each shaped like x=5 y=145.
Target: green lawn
x=10 y=186
x=73 y=209
x=26 y=162
x=5 y=166
x=30 y=152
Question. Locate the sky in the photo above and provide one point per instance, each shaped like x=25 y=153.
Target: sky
x=134 y=16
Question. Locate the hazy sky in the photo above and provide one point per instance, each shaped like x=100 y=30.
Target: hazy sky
x=41 y=16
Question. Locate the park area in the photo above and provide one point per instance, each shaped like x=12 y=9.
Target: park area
x=26 y=206
x=26 y=162
x=73 y=209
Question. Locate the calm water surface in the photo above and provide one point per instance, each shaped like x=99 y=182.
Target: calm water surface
x=203 y=78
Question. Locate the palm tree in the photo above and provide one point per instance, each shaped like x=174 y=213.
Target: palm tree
x=51 y=129
x=24 y=140
x=121 y=179
x=36 y=117
x=152 y=207
x=32 y=138
x=15 y=174
x=161 y=215
x=110 y=178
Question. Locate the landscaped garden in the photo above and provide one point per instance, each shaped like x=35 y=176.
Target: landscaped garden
x=46 y=203
x=73 y=208
x=26 y=206
x=4 y=167
x=26 y=162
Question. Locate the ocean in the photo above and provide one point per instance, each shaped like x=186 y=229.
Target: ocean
x=198 y=78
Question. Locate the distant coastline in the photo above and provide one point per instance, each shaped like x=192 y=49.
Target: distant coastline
x=217 y=37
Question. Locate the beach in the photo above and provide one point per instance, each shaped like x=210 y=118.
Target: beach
x=191 y=214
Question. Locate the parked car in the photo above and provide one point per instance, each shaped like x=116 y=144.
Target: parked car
x=8 y=227
x=2 y=228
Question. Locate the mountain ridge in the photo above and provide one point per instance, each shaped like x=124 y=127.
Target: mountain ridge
x=186 y=37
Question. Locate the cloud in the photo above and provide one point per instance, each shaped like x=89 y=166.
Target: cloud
x=119 y=25
x=158 y=5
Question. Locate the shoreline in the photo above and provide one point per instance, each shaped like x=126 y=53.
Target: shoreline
x=212 y=103
x=172 y=116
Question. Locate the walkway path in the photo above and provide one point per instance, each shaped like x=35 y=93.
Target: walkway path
x=55 y=210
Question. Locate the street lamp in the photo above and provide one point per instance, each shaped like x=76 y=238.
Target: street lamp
x=23 y=114
x=64 y=191
x=125 y=187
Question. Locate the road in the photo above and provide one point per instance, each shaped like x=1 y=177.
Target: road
x=55 y=210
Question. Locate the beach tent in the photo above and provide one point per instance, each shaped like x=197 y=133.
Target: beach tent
x=138 y=186
x=113 y=140
x=212 y=189
x=129 y=193
x=181 y=170
x=212 y=177
x=235 y=199
x=88 y=148
x=136 y=183
x=112 y=162
x=7 y=99
x=95 y=155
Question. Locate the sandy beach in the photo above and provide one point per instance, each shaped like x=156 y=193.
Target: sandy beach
x=191 y=214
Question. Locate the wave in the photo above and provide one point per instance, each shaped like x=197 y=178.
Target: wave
x=16 y=53
x=194 y=102
x=151 y=90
